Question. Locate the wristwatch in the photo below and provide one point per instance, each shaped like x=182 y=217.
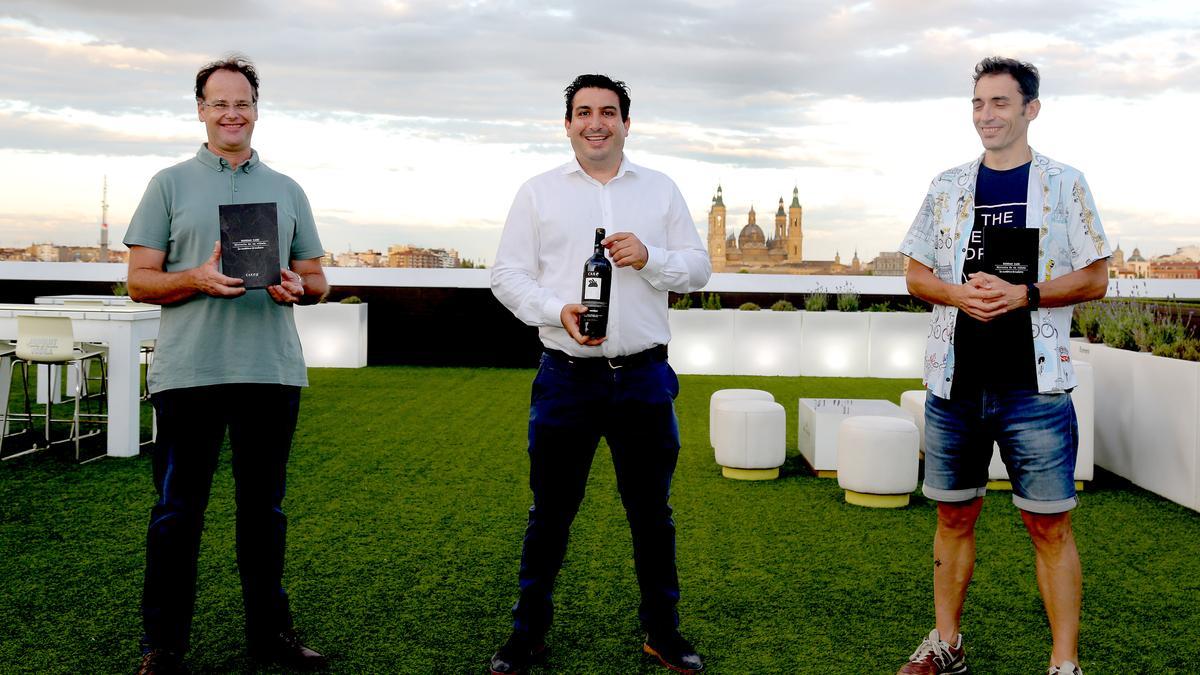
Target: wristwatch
x=1033 y=295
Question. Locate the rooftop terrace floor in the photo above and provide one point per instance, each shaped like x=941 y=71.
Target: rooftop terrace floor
x=407 y=501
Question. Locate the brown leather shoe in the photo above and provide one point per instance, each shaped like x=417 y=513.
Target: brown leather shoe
x=936 y=657
x=285 y=649
x=161 y=662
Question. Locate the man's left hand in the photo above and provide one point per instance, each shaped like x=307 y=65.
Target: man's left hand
x=289 y=290
x=1015 y=296
x=626 y=249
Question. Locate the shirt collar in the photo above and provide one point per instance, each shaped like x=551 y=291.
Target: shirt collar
x=207 y=158
x=574 y=166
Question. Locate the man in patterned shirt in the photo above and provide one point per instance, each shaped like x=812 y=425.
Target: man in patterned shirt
x=989 y=381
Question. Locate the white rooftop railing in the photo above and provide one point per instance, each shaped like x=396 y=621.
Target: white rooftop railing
x=400 y=277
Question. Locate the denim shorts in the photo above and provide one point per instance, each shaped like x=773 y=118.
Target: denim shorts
x=1038 y=438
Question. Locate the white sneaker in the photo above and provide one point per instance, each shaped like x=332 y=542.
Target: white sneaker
x=1067 y=668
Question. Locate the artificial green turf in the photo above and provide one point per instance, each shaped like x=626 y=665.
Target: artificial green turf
x=407 y=501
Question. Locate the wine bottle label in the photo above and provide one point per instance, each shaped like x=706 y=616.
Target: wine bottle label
x=592 y=288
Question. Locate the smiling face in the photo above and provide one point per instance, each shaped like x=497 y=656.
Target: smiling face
x=596 y=129
x=1002 y=117
x=229 y=131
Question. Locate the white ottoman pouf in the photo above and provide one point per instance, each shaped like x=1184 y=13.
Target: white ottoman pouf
x=877 y=460
x=914 y=402
x=731 y=395
x=748 y=438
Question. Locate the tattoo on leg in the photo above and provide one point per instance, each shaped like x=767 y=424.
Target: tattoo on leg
x=937 y=563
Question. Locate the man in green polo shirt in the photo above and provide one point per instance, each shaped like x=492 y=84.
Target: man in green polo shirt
x=226 y=358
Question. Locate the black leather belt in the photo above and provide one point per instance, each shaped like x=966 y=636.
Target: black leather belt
x=647 y=356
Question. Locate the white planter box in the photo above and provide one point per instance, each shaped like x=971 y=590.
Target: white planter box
x=1147 y=412
x=766 y=343
x=897 y=344
x=834 y=344
x=822 y=344
x=702 y=341
x=333 y=335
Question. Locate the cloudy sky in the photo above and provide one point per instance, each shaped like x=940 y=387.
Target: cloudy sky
x=415 y=122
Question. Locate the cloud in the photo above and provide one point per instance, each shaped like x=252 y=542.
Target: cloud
x=724 y=63
x=49 y=135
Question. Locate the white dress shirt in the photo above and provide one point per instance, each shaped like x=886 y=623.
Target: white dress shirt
x=550 y=234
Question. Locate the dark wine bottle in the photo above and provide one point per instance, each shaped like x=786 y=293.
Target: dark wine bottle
x=597 y=276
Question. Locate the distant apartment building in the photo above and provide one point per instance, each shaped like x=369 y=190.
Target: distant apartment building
x=57 y=253
x=403 y=255
x=889 y=264
x=398 y=255
x=44 y=252
x=1172 y=269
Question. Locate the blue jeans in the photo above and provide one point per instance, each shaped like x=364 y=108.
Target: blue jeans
x=572 y=406
x=261 y=419
x=1038 y=438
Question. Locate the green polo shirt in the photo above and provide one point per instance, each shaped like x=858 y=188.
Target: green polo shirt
x=205 y=340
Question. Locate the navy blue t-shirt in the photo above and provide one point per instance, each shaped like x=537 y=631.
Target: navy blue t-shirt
x=997 y=354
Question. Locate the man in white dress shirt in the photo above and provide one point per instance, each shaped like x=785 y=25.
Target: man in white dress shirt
x=619 y=386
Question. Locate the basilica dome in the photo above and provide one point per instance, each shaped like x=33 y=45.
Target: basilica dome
x=752 y=237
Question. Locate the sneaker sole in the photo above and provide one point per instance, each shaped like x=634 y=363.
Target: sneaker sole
x=651 y=651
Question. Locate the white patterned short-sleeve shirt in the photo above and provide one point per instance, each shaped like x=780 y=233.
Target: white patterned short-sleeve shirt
x=1060 y=204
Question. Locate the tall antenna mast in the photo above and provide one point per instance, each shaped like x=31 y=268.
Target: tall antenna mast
x=104 y=223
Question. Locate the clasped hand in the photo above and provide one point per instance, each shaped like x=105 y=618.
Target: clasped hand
x=987 y=296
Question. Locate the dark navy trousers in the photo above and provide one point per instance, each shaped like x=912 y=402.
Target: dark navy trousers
x=261 y=419
x=575 y=402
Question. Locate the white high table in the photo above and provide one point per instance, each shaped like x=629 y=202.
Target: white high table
x=81 y=299
x=122 y=328
x=819 y=421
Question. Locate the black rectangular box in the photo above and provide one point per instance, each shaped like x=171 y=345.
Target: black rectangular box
x=250 y=243
x=1011 y=253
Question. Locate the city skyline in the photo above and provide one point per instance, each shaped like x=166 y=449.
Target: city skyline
x=417 y=122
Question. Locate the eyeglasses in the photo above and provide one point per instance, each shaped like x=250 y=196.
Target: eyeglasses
x=224 y=106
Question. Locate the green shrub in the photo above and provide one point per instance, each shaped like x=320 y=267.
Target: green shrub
x=847 y=298
x=1122 y=321
x=351 y=300
x=879 y=307
x=783 y=306
x=914 y=305
x=684 y=302
x=749 y=307
x=120 y=289
x=710 y=301
x=816 y=302
x=1085 y=320
x=1187 y=349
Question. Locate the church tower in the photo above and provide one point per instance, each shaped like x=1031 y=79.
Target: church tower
x=795 y=231
x=780 y=223
x=716 y=232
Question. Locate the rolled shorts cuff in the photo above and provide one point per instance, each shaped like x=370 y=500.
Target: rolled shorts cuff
x=952 y=496
x=1045 y=507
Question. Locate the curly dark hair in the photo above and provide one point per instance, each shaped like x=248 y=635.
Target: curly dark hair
x=237 y=63
x=1026 y=74
x=600 y=82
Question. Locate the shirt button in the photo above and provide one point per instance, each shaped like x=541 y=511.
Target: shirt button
x=964 y=250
